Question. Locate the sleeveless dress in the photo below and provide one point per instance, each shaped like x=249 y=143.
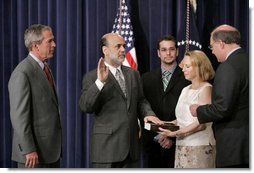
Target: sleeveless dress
x=198 y=149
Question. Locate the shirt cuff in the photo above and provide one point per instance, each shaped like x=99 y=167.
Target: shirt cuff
x=99 y=84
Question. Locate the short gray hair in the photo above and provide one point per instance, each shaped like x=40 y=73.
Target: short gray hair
x=33 y=34
x=227 y=36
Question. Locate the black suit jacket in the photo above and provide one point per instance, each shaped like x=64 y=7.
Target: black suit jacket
x=229 y=110
x=114 y=134
x=162 y=103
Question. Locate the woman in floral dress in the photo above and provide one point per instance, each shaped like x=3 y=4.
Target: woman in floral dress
x=195 y=143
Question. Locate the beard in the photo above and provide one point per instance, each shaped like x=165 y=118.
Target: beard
x=169 y=61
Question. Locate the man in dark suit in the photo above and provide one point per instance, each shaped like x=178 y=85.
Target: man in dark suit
x=34 y=108
x=229 y=110
x=113 y=93
x=163 y=97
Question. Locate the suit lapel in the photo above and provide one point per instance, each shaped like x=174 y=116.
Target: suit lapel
x=128 y=84
x=43 y=79
x=158 y=79
x=116 y=85
x=54 y=85
x=173 y=80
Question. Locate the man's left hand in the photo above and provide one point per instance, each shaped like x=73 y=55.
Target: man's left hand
x=165 y=142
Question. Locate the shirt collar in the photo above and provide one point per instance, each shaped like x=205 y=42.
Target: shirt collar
x=171 y=70
x=37 y=60
x=113 y=69
x=231 y=52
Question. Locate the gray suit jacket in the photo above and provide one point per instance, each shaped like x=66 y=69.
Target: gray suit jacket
x=114 y=134
x=34 y=114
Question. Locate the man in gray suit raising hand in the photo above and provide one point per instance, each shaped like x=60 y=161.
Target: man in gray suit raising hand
x=34 y=108
x=113 y=93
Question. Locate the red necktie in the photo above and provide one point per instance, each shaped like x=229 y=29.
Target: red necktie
x=48 y=74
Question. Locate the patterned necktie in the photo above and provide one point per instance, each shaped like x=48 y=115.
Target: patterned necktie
x=165 y=79
x=48 y=74
x=121 y=82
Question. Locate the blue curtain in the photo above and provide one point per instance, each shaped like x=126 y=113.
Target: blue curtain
x=78 y=26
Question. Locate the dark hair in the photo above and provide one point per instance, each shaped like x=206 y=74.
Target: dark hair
x=166 y=38
x=227 y=36
x=103 y=42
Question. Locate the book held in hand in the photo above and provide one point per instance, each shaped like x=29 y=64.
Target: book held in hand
x=155 y=127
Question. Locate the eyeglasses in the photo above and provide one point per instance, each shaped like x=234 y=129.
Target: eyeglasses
x=211 y=46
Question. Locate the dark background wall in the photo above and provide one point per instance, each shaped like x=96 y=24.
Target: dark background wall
x=78 y=26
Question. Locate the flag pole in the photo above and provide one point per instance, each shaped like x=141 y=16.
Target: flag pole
x=187 y=47
x=120 y=17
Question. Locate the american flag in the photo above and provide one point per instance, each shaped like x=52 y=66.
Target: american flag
x=122 y=25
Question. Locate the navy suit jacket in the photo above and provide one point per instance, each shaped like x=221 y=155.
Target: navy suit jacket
x=229 y=110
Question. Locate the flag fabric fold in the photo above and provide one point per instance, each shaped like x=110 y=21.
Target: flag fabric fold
x=122 y=25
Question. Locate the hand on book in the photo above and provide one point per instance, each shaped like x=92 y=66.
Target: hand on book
x=178 y=133
x=167 y=132
x=155 y=127
x=153 y=119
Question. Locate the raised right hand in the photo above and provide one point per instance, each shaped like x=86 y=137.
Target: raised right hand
x=102 y=71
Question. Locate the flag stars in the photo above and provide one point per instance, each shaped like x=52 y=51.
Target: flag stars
x=190 y=42
x=123 y=26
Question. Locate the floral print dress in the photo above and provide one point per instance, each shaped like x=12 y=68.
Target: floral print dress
x=198 y=149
